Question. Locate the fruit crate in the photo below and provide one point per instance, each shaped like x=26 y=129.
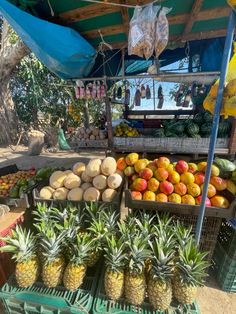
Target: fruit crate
x=115 y=204
x=25 y=201
x=103 y=305
x=40 y=299
x=227 y=239
x=225 y=268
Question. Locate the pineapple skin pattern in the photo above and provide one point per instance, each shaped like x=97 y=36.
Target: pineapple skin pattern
x=74 y=276
x=114 y=284
x=52 y=272
x=27 y=272
x=183 y=293
x=135 y=288
x=159 y=294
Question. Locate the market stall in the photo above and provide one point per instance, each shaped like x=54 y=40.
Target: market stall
x=75 y=209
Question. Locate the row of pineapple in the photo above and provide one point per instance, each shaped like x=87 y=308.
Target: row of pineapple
x=144 y=255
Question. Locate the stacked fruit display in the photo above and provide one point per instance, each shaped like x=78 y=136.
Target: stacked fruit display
x=98 y=180
x=181 y=182
x=124 y=130
x=144 y=256
x=91 y=133
x=199 y=126
x=20 y=179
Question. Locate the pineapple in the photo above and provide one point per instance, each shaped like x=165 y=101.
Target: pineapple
x=23 y=245
x=190 y=273
x=53 y=266
x=135 y=282
x=159 y=283
x=115 y=263
x=76 y=269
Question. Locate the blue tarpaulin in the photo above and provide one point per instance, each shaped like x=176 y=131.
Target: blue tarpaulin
x=60 y=48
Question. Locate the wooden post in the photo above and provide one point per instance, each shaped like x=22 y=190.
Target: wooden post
x=109 y=119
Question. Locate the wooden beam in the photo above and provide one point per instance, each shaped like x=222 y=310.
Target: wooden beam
x=125 y=17
x=192 y=18
x=188 y=37
x=105 y=31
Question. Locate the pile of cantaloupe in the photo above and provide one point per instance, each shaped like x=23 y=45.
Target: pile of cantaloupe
x=98 y=180
x=91 y=133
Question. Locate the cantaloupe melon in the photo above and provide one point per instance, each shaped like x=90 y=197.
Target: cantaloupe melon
x=91 y=194
x=56 y=179
x=108 y=195
x=78 y=168
x=72 y=181
x=114 y=181
x=75 y=194
x=46 y=192
x=100 y=182
x=68 y=172
x=85 y=186
x=60 y=194
x=108 y=166
x=93 y=168
x=86 y=178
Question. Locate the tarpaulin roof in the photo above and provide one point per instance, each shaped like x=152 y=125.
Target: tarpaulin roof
x=69 y=55
x=60 y=48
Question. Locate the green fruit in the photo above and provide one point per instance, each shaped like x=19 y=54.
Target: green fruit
x=192 y=129
x=225 y=165
x=207 y=117
x=14 y=191
x=43 y=173
x=206 y=129
x=22 y=182
x=198 y=118
x=159 y=133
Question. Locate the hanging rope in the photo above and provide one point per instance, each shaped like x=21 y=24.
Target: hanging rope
x=121 y=4
x=51 y=9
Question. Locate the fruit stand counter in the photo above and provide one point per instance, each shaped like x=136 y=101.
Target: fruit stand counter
x=169 y=145
x=7 y=222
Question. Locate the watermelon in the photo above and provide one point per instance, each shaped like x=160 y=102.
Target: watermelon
x=198 y=118
x=207 y=116
x=224 y=128
x=192 y=129
x=225 y=164
x=206 y=129
x=159 y=133
x=177 y=127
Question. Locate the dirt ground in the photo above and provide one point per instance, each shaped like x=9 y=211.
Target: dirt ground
x=211 y=299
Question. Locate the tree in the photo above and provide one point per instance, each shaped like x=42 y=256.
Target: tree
x=12 y=50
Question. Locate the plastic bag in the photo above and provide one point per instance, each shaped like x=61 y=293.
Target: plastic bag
x=142 y=31
x=136 y=35
x=229 y=96
x=162 y=31
x=148 y=23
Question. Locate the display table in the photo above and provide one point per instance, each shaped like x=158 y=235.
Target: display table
x=7 y=223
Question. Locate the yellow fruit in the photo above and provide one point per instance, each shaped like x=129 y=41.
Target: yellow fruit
x=193 y=189
x=187 y=178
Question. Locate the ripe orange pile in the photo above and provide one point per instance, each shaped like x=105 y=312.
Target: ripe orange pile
x=7 y=181
x=162 y=181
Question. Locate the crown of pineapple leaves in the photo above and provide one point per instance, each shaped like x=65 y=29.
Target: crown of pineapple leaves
x=145 y=224
x=137 y=253
x=182 y=234
x=22 y=244
x=128 y=229
x=42 y=213
x=93 y=210
x=52 y=243
x=115 y=257
x=191 y=264
x=81 y=249
x=162 y=258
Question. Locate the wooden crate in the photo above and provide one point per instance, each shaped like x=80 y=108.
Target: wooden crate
x=169 y=145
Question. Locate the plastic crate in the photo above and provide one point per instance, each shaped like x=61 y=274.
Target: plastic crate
x=225 y=268
x=102 y=305
x=40 y=299
x=227 y=239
